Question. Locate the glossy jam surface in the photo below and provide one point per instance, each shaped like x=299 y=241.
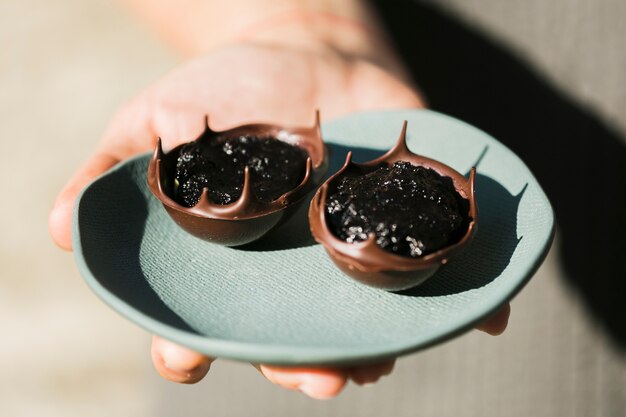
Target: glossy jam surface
x=412 y=210
x=275 y=168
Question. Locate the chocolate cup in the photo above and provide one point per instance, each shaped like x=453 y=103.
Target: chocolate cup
x=367 y=262
x=248 y=218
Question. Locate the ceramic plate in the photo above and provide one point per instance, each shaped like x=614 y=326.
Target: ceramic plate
x=281 y=300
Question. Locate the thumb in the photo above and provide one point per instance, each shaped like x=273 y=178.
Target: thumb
x=60 y=218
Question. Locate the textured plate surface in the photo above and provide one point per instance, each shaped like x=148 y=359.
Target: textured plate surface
x=281 y=300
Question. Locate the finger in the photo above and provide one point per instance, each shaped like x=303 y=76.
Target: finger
x=178 y=364
x=178 y=126
x=321 y=384
x=369 y=374
x=60 y=218
x=128 y=133
x=496 y=324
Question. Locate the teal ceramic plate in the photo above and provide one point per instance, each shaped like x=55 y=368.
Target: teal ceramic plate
x=282 y=300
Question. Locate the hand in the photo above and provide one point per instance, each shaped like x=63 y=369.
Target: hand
x=179 y=364
x=239 y=83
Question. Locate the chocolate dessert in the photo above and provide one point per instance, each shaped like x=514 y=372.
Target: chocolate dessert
x=276 y=167
x=412 y=210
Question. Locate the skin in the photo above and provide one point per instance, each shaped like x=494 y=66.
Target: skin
x=280 y=76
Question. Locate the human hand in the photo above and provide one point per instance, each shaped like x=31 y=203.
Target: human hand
x=271 y=81
x=179 y=364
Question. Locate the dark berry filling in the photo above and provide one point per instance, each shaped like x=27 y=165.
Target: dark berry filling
x=412 y=210
x=275 y=168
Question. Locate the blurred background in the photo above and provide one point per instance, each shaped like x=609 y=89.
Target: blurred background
x=546 y=78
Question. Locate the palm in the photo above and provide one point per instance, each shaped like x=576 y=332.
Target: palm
x=243 y=83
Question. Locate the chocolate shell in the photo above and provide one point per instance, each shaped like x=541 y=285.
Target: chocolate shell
x=248 y=218
x=367 y=262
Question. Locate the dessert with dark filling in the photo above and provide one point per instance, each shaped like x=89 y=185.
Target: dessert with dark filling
x=390 y=223
x=412 y=210
x=234 y=186
x=275 y=168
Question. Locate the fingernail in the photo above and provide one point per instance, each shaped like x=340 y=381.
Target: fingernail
x=182 y=368
x=311 y=392
x=179 y=364
x=174 y=367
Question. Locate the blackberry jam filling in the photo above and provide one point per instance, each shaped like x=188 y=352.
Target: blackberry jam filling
x=275 y=168
x=412 y=210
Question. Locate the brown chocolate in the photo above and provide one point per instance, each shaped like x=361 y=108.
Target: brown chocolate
x=248 y=218
x=365 y=261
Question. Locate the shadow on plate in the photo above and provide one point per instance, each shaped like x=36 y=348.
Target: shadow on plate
x=475 y=267
x=119 y=263
x=496 y=234
x=578 y=159
x=295 y=233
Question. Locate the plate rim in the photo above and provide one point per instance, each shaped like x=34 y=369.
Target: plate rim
x=279 y=354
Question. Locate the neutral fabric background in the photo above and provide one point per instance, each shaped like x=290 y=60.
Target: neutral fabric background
x=64 y=68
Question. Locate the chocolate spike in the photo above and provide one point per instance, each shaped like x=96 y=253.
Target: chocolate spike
x=400 y=148
x=246 y=201
x=307 y=174
x=472 y=197
x=157 y=167
x=317 y=143
x=158 y=152
x=247 y=197
x=291 y=195
x=317 y=126
x=206 y=123
x=399 y=152
x=154 y=169
x=348 y=161
x=321 y=200
x=307 y=170
x=204 y=204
